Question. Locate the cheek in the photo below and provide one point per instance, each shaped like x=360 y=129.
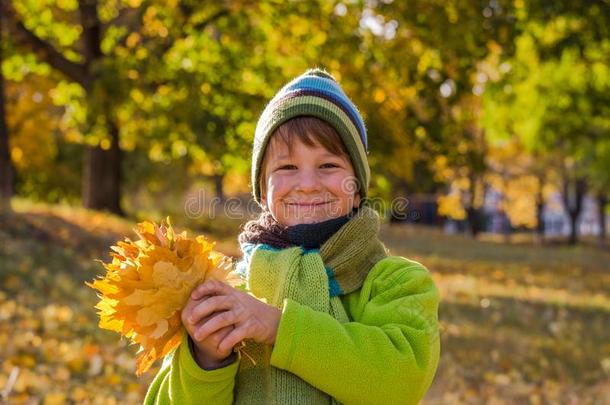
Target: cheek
x=276 y=187
x=341 y=185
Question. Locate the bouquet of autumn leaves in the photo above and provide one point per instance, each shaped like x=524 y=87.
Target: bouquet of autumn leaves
x=148 y=283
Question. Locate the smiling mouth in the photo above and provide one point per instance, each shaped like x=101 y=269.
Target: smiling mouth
x=308 y=205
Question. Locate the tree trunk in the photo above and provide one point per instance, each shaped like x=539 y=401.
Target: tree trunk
x=602 y=200
x=102 y=168
x=573 y=229
x=6 y=166
x=573 y=204
x=540 y=211
x=473 y=221
x=218 y=186
x=473 y=214
x=102 y=175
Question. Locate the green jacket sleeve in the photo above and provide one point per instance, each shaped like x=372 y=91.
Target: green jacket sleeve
x=181 y=381
x=387 y=355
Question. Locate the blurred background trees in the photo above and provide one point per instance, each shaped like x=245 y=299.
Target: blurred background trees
x=129 y=106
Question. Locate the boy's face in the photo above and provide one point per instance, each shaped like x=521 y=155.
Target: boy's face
x=308 y=186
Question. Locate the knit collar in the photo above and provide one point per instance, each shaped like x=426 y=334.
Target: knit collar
x=312 y=236
x=348 y=254
x=266 y=230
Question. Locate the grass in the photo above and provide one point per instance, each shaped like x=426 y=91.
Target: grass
x=519 y=323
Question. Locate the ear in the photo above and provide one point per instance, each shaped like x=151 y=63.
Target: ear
x=357 y=200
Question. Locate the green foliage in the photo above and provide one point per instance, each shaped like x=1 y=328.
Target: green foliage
x=436 y=82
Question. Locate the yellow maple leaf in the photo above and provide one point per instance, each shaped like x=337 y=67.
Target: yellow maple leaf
x=148 y=282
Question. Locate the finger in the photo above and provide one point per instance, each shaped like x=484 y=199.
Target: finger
x=223 y=353
x=211 y=287
x=187 y=311
x=218 y=336
x=216 y=323
x=233 y=338
x=206 y=308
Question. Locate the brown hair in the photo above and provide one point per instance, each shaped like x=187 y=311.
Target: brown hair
x=310 y=130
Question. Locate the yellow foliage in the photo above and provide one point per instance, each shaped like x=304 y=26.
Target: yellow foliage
x=31 y=122
x=442 y=171
x=235 y=183
x=132 y=40
x=451 y=206
x=379 y=95
x=520 y=203
x=401 y=165
x=149 y=281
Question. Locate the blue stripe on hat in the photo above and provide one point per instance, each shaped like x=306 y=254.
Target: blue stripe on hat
x=329 y=96
x=331 y=88
x=322 y=84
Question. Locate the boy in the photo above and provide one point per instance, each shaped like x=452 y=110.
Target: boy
x=343 y=321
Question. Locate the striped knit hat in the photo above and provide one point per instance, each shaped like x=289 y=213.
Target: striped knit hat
x=315 y=93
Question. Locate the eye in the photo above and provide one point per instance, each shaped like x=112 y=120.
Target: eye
x=286 y=167
x=329 y=165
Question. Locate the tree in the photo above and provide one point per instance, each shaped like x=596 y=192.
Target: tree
x=600 y=182
x=555 y=86
x=6 y=167
x=426 y=91
x=101 y=169
x=89 y=44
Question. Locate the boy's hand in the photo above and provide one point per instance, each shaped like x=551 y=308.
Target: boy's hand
x=226 y=306
x=207 y=353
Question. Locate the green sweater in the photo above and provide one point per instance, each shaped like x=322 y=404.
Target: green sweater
x=386 y=354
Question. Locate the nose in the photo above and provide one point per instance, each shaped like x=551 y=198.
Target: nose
x=308 y=181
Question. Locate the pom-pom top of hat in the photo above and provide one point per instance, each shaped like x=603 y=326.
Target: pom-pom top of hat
x=320 y=73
